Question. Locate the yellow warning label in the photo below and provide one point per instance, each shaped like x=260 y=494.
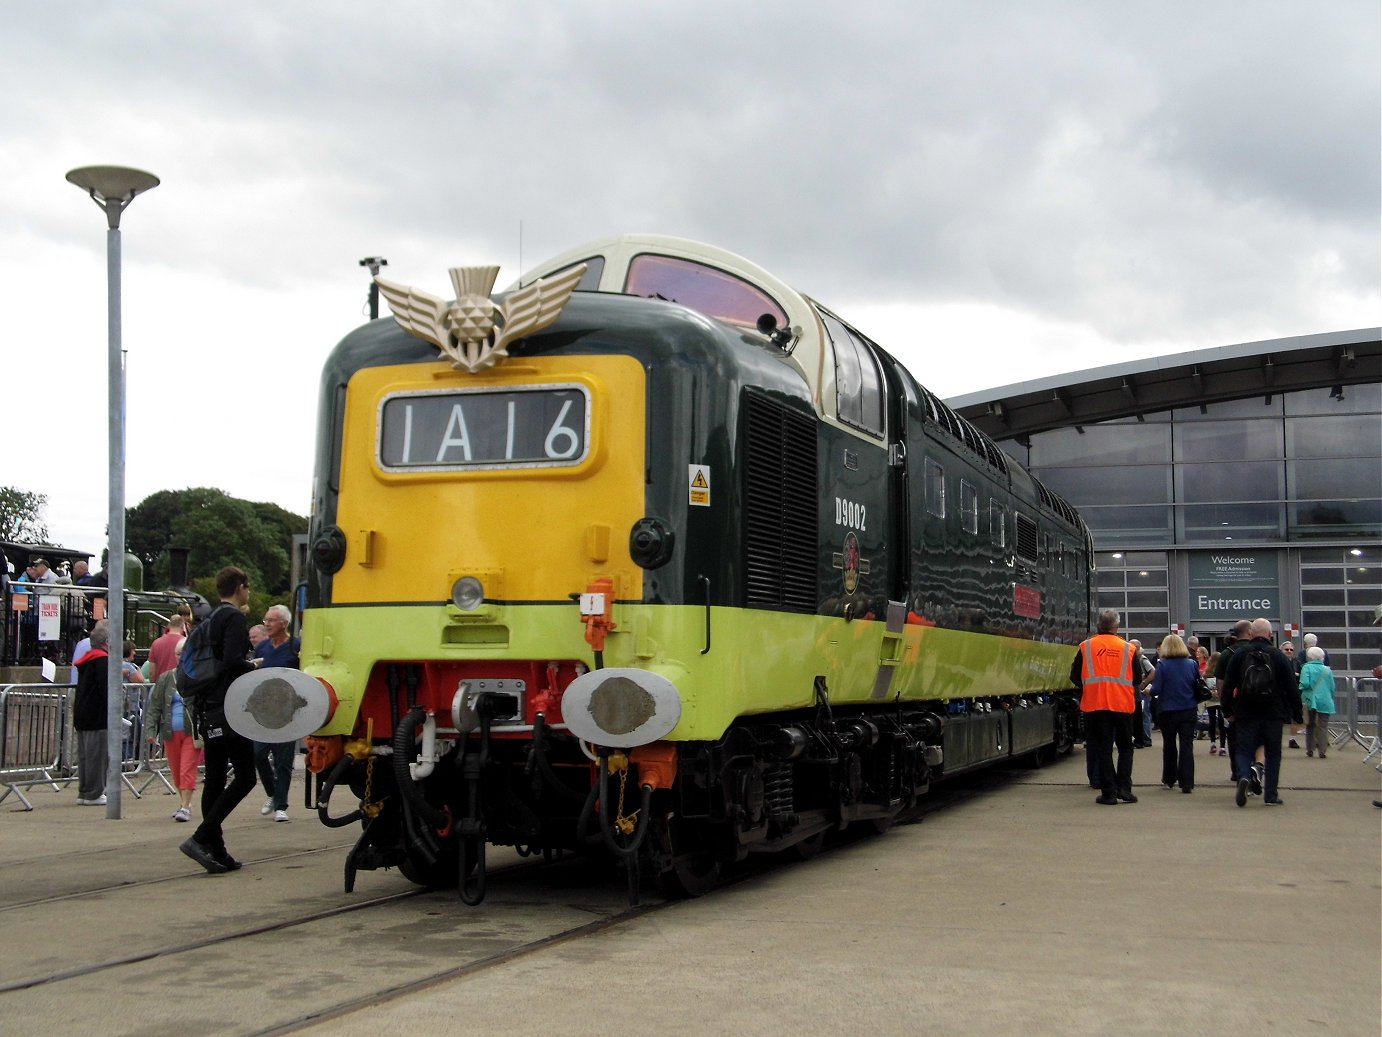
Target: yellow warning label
x=698 y=485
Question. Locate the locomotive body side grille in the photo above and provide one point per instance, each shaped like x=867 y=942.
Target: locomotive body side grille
x=780 y=507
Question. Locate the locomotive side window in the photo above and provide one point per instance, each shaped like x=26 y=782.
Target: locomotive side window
x=1027 y=539
x=935 y=488
x=998 y=524
x=707 y=289
x=969 y=507
x=858 y=378
x=471 y=429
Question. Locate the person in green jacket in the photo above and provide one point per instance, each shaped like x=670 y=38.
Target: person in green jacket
x=1317 y=699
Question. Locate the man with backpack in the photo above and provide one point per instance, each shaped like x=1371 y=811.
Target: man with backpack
x=1260 y=695
x=227 y=641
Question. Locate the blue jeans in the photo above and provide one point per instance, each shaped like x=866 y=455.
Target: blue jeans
x=276 y=777
x=1249 y=732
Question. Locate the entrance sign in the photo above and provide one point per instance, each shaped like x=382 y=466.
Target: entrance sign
x=1234 y=584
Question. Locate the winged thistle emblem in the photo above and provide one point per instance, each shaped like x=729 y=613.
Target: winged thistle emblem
x=472 y=331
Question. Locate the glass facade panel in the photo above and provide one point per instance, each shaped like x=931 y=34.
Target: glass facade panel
x=1116 y=444
x=1357 y=399
x=1123 y=484
x=1234 y=481
x=1147 y=599
x=1228 y=440
x=1318 y=596
x=1321 y=576
x=1200 y=523
x=1366 y=640
x=1315 y=618
x=1124 y=524
x=1350 y=435
x=1320 y=554
x=1336 y=518
x=1252 y=407
x=1320 y=479
x=1146 y=559
x=1144 y=621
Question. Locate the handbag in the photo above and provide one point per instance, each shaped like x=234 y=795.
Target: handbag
x=1203 y=693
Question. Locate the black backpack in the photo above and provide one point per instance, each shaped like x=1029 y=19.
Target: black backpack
x=1257 y=681
x=200 y=666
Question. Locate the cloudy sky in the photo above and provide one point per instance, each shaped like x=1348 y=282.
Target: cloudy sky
x=995 y=190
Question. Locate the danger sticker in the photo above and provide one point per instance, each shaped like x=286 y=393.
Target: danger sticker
x=698 y=485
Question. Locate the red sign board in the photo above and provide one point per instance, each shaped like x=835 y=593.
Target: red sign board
x=1027 y=602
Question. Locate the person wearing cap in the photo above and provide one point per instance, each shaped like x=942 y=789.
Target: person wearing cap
x=43 y=574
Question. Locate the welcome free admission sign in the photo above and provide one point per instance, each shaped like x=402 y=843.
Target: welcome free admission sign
x=1234 y=585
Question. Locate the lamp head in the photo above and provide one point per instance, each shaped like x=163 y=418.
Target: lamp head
x=112 y=187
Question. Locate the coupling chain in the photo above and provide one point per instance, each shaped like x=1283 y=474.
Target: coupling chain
x=368 y=808
x=626 y=823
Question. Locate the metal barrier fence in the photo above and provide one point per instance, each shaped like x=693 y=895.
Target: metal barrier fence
x=145 y=614
x=1356 y=704
x=39 y=743
x=35 y=746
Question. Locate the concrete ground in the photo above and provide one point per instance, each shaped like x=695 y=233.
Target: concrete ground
x=1021 y=907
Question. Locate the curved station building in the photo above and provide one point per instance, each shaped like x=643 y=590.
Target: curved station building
x=1224 y=484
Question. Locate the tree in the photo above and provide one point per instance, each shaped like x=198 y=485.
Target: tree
x=21 y=516
x=219 y=530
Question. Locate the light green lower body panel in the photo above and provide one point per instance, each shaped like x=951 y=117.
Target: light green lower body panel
x=758 y=661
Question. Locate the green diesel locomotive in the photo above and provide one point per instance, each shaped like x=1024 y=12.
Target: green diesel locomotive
x=655 y=554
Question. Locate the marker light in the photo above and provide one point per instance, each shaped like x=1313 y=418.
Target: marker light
x=468 y=594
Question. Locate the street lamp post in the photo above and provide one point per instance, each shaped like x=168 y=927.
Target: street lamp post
x=112 y=188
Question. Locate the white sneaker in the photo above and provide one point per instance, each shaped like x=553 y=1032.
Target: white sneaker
x=182 y=814
x=267 y=808
x=280 y=815
x=99 y=801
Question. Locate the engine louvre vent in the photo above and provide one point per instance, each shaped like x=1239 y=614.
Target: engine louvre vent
x=780 y=507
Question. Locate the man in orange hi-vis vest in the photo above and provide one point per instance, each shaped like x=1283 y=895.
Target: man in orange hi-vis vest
x=1103 y=670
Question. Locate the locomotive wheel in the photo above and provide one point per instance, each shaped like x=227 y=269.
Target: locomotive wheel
x=690 y=876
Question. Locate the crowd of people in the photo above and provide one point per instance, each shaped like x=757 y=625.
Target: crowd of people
x=1250 y=691
x=194 y=734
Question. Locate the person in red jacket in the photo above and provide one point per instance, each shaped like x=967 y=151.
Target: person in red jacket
x=1104 y=669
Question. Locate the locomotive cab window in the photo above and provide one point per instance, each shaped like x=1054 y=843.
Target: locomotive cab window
x=590 y=280
x=998 y=524
x=706 y=289
x=969 y=507
x=935 y=488
x=858 y=378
